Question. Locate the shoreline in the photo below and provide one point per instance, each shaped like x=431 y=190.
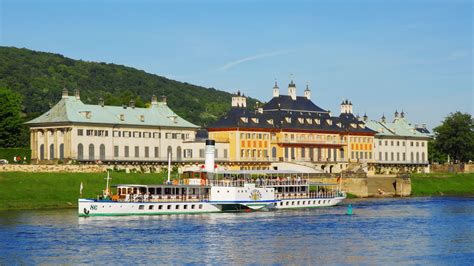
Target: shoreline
x=36 y=191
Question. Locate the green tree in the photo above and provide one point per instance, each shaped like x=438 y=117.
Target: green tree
x=435 y=155
x=11 y=126
x=455 y=137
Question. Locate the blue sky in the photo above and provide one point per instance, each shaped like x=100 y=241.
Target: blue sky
x=382 y=55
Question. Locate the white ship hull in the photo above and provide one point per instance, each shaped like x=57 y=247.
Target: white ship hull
x=89 y=207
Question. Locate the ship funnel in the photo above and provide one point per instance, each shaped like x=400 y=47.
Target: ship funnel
x=210 y=154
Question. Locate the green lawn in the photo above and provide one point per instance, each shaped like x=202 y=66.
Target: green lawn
x=20 y=190
x=438 y=184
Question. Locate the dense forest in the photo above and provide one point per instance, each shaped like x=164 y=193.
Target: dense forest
x=39 y=78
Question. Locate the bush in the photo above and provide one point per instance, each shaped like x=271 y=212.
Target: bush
x=10 y=153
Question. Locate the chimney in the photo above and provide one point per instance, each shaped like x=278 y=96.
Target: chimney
x=383 y=118
x=65 y=93
x=210 y=156
x=163 y=99
x=396 y=114
x=77 y=94
x=101 y=101
x=365 y=117
x=154 y=100
x=132 y=103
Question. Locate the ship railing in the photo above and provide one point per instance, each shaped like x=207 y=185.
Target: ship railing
x=258 y=182
x=312 y=195
x=163 y=198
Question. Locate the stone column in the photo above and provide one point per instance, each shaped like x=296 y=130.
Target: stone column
x=46 y=146
x=69 y=143
x=55 y=139
x=66 y=143
x=33 y=144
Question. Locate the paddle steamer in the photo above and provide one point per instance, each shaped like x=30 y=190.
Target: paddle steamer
x=210 y=191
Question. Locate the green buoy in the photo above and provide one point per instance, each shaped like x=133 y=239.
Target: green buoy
x=349 y=209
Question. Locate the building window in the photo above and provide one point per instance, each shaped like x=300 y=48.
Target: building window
x=91 y=152
x=380 y=143
x=380 y=156
x=188 y=153
x=423 y=144
x=352 y=155
x=51 y=152
x=412 y=157
x=80 y=152
x=392 y=156
x=403 y=156
x=147 y=152
x=398 y=143
x=370 y=155
x=403 y=143
x=386 y=143
x=116 y=151
x=422 y=157
x=102 y=152
x=201 y=153
x=116 y=134
x=398 y=156
x=137 y=151
x=225 y=153
x=157 y=153
x=417 y=156
x=417 y=144
x=386 y=156
x=126 y=152
x=216 y=154
x=80 y=132
x=411 y=143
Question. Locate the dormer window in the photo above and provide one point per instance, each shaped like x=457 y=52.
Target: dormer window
x=270 y=121
x=301 y=120
x=173 y=118
x=309 y=121
x=353 y=125
x=255 y=120
x=288 y=119
x=87 y=114
x=339 y=124
x=244 y=119
x=122 y=117
x=317 y=121
x=142 y=118
x=329 y=121
x=362 y=125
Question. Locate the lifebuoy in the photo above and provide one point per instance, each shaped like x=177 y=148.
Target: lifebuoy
x=203 y=181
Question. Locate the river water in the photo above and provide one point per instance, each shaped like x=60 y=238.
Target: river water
x=382 y=231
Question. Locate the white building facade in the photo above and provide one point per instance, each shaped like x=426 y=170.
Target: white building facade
x=399 y=145
x=74 y=131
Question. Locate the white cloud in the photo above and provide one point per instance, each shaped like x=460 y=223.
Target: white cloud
x=250 y=58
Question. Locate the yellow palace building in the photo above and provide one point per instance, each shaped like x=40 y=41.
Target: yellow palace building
x=291 y=131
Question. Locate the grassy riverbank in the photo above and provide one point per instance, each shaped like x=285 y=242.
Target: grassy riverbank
x=20 y=190
x=439 y=184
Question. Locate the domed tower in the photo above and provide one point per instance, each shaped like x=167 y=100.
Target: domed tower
x=292 y=90
x=239 y=100
x=346 y=107
x=307 y=93
x=276 y=91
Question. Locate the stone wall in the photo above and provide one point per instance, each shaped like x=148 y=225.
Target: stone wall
x=452 y=168
x=83 y=168
x=355 y=186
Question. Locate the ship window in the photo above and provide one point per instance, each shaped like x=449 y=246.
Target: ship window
x=200 y=206
x=169 y=207
x=193 y=206
x=298 y=203
x=287 y=203
x=177 y=207
x=151 y=207
x=292 y=203
x=141 y=207
x=160 y=207
x=185 y=207
x=281 y=203
x=319 y=201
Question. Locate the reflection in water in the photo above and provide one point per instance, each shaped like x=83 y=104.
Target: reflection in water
x=388 y=231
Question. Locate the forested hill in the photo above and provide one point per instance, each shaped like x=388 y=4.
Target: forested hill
x=40 y=78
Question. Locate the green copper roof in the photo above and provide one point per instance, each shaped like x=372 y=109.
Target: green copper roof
x=399 y=127
x=72 y=110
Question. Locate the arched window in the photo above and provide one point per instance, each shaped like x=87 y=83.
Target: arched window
x=42 y=152
x=80 y=151
x=274 y=152
x=102 y=152
x=178 y=153
x=169 y=152
x=423 y=157
x=417 y=156
x=51 y=152
x=91 y=152
x=411 y=157
x=61 y=151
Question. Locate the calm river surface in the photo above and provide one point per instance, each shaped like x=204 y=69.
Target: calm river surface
x=384 y=231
